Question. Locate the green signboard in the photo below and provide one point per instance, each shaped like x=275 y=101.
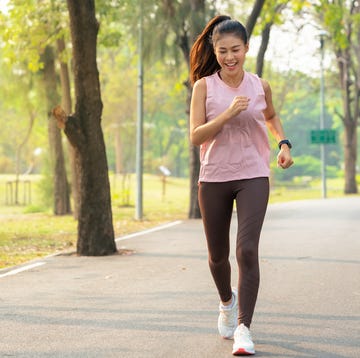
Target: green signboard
x=323 y=136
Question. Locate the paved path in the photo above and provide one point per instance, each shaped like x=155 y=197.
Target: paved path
x=159 y=299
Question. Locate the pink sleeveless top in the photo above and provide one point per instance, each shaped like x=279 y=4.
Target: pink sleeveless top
x=241 y=149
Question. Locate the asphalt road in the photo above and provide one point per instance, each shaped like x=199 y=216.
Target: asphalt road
x=157 y=299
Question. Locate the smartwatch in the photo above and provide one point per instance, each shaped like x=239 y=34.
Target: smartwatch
x=285 y=141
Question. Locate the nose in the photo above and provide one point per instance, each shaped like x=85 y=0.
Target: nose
x=229 y=56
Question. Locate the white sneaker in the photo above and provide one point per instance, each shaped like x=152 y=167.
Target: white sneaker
x=243 y=344
x=228 y=317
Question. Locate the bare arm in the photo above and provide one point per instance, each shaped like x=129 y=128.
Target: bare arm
x=274 y=125
x=200 y=130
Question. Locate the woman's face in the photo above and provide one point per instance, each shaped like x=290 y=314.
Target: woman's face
x=230 y=53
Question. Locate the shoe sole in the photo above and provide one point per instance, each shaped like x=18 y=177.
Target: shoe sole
x=242 y=352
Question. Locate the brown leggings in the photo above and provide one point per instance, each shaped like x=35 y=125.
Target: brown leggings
x=216 y=205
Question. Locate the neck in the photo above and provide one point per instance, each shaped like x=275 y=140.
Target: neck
x=234 y=80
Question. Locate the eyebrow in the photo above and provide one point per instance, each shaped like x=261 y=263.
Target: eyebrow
x=233 y=47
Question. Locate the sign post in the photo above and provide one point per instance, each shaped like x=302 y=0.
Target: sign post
x=322 y=137
x=322 y=113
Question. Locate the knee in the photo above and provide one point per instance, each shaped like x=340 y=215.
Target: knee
x=218 y=259
x=247 y=256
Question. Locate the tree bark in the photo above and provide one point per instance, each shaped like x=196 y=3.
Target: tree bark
x=255 y=13
x=61 y=187
x=265 y=34
x=265 y=37
x=350 y=94
x=350 y=156
x=198 y=21
x=66 y=103
x=83 y=129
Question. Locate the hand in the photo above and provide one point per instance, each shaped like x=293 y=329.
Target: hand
x=239 y=104
x=284 y=159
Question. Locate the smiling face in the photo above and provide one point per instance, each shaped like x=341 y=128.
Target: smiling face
x=230 y=51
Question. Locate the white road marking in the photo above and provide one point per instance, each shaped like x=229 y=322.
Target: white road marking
x=22 y=269
x=144 y=232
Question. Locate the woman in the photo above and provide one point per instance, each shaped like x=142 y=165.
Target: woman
x=230 y=113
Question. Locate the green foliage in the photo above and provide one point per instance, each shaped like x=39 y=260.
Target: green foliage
x=333 y=15
x=25 y=31
x=20 y=101
x=165 y=121
x=31 y=209
x=339 y=18
x=277 y=12
x=305 y=167
x=28 y=28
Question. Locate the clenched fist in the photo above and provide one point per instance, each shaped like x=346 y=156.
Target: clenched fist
x=239 y=104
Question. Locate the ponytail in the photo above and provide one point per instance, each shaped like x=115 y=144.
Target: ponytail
x=202 y=57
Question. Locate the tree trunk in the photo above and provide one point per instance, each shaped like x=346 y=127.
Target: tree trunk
x=265 y=34
x=198 y=21
x=61 y=187
x=350 y=155
x=255 y=13
x=66 y=103
x=95 y=227
x=350 y=119
x=265 y=37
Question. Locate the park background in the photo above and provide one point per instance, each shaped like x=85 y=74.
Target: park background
x=285 y=49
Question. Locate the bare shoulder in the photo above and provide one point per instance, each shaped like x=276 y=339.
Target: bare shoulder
x=200 y=86
x=266 y=85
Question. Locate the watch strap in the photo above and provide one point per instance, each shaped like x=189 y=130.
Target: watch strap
x=285 y=141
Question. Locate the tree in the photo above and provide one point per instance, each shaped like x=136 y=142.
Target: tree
x=270 y=13
x=254 y=15
x=83 y=129
x=66 y=103
x=29 y=49
x=342 y=21
x=61 y=186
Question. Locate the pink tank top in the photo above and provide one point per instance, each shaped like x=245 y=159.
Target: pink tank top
x=241 y=149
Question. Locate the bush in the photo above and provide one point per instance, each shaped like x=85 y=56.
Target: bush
x=304 y=166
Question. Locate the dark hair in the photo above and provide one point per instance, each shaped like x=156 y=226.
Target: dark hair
x=202 y=57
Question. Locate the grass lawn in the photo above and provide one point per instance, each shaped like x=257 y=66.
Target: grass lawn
x=28 y=232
